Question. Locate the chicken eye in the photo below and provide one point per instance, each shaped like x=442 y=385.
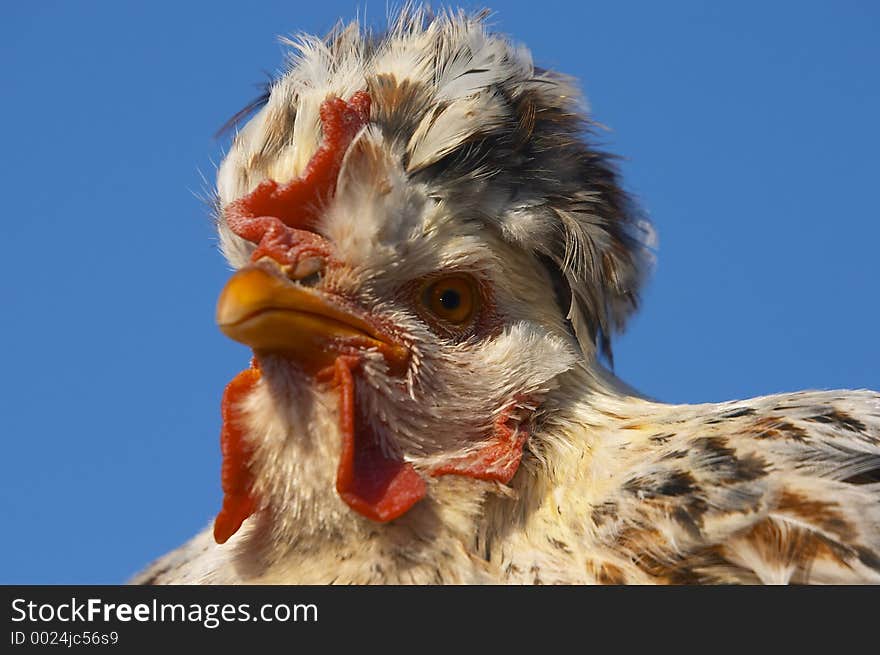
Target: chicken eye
x=452 y=299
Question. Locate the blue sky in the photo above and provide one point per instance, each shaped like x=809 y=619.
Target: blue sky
x=749 y=133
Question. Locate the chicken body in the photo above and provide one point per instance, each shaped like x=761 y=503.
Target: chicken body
x=431 y=258
x=759 y=491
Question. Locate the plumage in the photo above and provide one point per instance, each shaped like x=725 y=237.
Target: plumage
x=393 y=184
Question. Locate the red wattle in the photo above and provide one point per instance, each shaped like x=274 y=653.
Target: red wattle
x=373 y=484
x=236 y=479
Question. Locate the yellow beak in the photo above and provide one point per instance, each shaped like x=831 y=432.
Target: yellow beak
x=270 y=314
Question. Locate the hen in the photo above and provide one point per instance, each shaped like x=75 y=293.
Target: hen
x=431 y=260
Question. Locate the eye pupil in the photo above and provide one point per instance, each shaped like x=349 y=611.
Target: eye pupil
x=453 y=300
x=450 y=299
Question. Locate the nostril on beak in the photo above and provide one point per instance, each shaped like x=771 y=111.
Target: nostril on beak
x=307 y=271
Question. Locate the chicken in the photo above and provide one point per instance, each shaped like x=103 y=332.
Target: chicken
x=431 y=260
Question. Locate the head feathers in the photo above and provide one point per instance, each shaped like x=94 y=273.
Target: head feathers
x=500 y=140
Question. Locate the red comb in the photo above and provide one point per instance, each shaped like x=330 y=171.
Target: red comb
x=273 y=215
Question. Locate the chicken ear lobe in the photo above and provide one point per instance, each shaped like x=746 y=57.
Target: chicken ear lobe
x=498 y=459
